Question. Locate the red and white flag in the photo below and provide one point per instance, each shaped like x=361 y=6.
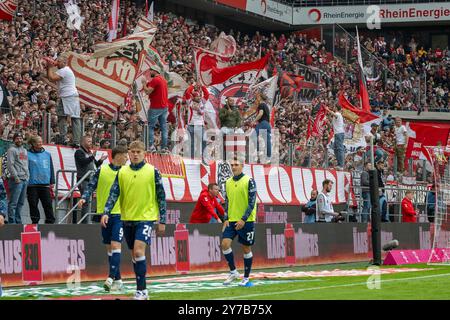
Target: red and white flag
x=363 y=93
x=319 y=123
x=105 y=77
x=224 y=45
x=210 y=71
x=7 y=9
x=362 y=116
x=357 y=125
x=113 y=20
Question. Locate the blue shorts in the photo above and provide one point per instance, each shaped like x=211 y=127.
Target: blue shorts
x=137 y=230
x=113 y=230
x=246 y=234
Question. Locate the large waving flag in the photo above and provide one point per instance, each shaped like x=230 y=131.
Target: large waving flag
x=210 y=72
x=7 y=9
x=144 y=31
x=268 y=88
x=357 y=125
x=224 y=45
x=104 y=78
x=362 y=91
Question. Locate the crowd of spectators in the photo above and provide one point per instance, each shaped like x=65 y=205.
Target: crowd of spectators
x=398 y=64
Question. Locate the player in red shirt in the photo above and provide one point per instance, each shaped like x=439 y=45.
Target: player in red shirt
x=408 y=211
x=157 y=91
x=204 y=210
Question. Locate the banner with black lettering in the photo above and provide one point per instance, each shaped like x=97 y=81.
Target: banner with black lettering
x=304 y=85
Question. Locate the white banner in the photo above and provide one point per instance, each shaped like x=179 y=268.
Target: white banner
x=271 y=9
x=276 y=185
x=413 y=12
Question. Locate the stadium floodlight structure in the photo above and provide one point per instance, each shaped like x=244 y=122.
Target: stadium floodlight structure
x=440 y=253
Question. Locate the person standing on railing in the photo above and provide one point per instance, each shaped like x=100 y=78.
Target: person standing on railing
x=196 y=97
x=338 y=127
x=262 y=125
x=230 y=117
x=42 y=179
x=112 y=235
x=85 y=162
x=17 y=162
x=401 y=141
x=157 y=90
x=69 y=104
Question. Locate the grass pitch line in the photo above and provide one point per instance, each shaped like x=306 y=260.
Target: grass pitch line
x=327 y=287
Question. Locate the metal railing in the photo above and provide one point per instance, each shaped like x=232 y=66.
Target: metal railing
x=69 y=194
x=393 y=197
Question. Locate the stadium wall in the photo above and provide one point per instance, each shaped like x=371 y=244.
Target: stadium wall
x=350 y=14
x=73 y=252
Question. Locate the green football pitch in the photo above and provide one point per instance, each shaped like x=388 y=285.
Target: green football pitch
x=412 y=282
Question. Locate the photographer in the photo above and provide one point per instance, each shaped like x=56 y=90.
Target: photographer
x=325 y=211
x=310 y=208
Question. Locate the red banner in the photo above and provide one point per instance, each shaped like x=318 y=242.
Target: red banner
x=239 y=4
x=181 y=236
x=422 y=134
x=31 y=256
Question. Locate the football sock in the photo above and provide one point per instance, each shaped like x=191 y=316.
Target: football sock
x=248 y=259
x=114 y=265
x=230 y=258
x=140 y=270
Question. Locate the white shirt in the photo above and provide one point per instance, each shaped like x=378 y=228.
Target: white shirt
x=338 y=123
x=66 y=86
x=400 y=134
x=324 y=205
x=196 y=118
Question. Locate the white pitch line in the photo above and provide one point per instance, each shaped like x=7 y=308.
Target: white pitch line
x=328 y=287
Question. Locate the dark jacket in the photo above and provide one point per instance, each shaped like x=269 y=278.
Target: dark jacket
x=365 y=181
x=310 y=207
x=85 y=161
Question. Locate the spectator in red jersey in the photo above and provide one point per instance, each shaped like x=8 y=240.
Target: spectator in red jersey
x=157 y=91
x=438 y=54
x=207 y=204
x=408 y=211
